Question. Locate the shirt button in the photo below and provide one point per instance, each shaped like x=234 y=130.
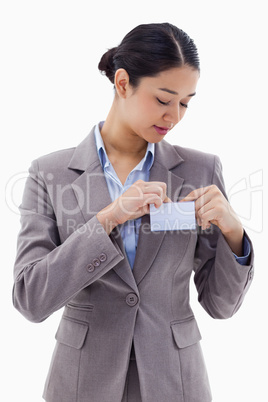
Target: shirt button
x=132 y=299
x=96 y=262
x=90 y=268
x=103 y=257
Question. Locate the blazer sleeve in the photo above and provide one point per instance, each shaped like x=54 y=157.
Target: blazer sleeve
x=48 y=274
x=220 y=280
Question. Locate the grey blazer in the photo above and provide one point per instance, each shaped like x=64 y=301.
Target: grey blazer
x=66 y=259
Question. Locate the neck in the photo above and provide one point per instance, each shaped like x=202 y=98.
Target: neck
x=119 y=139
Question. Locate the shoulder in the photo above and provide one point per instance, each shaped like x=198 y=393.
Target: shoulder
x=52 y=169
x=200 y=168
x=196 y=157
x=187 y=156
x=76 y=158
x=53 y=161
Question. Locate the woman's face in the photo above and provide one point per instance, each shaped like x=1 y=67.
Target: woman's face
x=159 y=103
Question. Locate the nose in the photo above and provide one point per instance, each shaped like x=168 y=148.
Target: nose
x=172 y=116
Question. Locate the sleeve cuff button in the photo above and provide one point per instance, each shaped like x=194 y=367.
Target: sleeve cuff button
x=103 y=257
x=90 y=268
x=96 y=262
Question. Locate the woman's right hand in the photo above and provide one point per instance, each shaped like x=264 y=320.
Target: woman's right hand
x=133 y=203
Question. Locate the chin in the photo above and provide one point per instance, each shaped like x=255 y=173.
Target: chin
x=156 y=140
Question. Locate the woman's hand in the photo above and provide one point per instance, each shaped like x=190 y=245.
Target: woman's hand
x=133 y=203
x=212 y=207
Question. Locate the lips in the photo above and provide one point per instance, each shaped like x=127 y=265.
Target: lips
x=161 y=130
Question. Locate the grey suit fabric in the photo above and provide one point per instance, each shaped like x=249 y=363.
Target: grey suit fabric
x=66 y=259
x=132 y=385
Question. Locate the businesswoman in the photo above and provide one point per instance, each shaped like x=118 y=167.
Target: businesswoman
x=127 y=331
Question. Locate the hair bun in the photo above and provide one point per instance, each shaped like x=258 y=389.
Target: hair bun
x=106 y=64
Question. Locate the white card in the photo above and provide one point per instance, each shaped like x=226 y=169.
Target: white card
x=173 y=216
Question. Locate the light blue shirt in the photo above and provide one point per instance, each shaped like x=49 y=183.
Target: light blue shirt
x=130 y=230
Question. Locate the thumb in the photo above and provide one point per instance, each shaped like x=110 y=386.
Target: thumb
x=193 y=195
x=167 y=199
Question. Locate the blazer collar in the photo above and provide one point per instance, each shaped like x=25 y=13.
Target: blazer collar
x=85 y=154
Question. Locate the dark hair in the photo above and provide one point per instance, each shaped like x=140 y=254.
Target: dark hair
x=149 y=49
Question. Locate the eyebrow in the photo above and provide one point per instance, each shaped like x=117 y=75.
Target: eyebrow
x=173 y=92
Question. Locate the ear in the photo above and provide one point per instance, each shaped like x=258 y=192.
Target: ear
x=121 y=83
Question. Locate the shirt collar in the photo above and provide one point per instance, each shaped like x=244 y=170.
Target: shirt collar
x=145 y=163
x=100 y=146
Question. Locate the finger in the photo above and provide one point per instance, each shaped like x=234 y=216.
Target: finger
x=203 y=202
x=148 y=184
x=141 y=211
x=195 y=194
x=152 y=199
x=141 y=187
x=157 y=183
x=158 y=188
x=207 y=217
x=204 y=224
x=204 y=208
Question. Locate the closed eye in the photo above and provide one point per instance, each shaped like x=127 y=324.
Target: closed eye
x=162 y=103
x=167 y=103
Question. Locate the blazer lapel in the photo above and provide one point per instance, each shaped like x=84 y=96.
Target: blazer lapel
x=149 y=242
x=90 y=188
x=91 y=191
x=92 y=195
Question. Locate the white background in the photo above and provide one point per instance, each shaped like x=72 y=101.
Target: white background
x=52 y=94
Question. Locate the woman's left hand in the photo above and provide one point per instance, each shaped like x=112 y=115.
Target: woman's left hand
x=212 y=207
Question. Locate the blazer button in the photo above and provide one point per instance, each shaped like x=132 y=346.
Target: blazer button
x=96 y=262
x=103 y=257
x=90 y=268
x=132 y=299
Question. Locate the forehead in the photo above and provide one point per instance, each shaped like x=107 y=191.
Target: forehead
x=181 y=80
